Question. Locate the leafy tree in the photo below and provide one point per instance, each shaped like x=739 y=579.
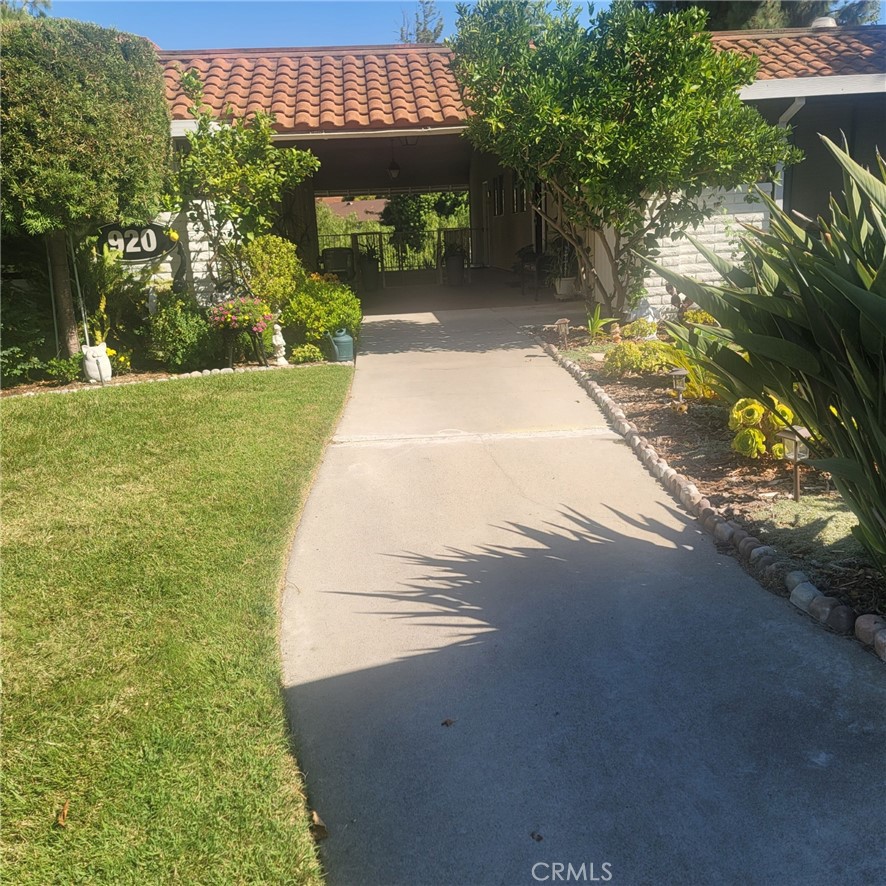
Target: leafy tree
x=625 y=123
x=85 y=136
x=448 y=204
x=405 y=213
x=231 y=178
x=426 y=25
x=728 y=15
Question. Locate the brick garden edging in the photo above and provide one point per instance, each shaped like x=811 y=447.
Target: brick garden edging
x=759 y=559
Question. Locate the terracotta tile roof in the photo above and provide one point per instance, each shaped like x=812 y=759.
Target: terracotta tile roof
x=811 y=52
x=364 y=88
x=350 y=88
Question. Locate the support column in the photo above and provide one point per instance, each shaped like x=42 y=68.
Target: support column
x=298 y=223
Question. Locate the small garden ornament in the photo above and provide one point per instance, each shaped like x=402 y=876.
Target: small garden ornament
x=96 y=364
x=279 y=346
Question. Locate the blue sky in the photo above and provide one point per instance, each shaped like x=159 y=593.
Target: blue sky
x=186 y=24
x=219 y=24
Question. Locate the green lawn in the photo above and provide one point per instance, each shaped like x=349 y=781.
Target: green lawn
x=818 y=526
x=144 y=535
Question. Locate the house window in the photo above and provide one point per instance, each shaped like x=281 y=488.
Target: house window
x=518 y=203
x=498 y=195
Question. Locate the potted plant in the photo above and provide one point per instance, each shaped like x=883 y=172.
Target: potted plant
x=244 y=314
x=562 y=268
x=369 y=266
x=454 y=255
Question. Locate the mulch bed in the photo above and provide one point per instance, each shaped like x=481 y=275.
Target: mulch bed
x=697 y=445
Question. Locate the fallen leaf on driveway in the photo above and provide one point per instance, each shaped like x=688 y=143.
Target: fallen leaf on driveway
x=318 y=828
x=537 y=837
x=447 y=722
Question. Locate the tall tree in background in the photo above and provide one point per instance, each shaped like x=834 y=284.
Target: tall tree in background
x=735 y=15
x=85 y=137
x=625 y=124
x=11 y=9
x=426 y=25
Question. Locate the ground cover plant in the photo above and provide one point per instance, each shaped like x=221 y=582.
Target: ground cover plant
x=144 y=531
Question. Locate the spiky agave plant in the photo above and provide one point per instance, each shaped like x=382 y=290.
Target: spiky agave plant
x=807 y=324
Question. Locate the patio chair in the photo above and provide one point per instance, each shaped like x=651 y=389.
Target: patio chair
x=530 y=267
x=339 y=260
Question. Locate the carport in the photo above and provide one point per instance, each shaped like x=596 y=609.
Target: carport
x=382 y=120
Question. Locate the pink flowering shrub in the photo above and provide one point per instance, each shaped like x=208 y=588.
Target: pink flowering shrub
x=244 y=314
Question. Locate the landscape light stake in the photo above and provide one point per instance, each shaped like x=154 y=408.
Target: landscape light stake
x=678 y=376
x=795 y=450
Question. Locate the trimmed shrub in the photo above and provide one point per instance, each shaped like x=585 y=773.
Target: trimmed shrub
x=306 y=354
x=323 y=305
x=181 y=337
x=639 y=329
x=272 y=269
x=65 y=370
x=635 y=358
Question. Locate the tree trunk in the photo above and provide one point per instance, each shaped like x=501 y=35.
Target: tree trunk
x=61 y=284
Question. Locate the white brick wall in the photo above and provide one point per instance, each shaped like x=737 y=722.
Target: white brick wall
x=720 y=234
x=199 y=251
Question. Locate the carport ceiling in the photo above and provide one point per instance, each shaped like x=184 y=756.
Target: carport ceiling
x=360 y=165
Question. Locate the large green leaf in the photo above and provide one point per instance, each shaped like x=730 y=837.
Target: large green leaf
x=845 y=468
x=873 y=306
x=793 y=355
x=706 y=296
x=744 y=376
x=781 y=307
x=872 y=186
x=738 y=277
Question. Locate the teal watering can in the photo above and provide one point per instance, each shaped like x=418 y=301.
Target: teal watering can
x=343 y=345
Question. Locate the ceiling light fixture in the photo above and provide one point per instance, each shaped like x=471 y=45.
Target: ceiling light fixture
x=393 y=168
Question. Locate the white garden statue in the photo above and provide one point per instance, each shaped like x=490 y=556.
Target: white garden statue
x=279 y=346
x=96 y=365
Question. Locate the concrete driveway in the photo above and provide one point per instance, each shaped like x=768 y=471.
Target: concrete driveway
x=506 y=648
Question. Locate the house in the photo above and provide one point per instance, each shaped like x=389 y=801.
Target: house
x=388 y=119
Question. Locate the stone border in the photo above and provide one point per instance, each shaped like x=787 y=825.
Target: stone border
x=759 y=559
x=197 y=373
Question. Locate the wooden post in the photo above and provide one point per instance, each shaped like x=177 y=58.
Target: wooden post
x=298 y=223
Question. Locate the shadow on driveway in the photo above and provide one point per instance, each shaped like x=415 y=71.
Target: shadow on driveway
x=616 y=697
